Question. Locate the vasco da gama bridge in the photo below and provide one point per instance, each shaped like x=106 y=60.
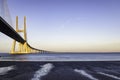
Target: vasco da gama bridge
x=23 y=47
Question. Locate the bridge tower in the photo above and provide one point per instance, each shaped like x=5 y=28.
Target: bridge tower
x=21 y=48
x=6 y=25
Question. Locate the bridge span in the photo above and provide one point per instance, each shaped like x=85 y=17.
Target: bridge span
x=24 y=47
x=9 y=31
x=6 y=28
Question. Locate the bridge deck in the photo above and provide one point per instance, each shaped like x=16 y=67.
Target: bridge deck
x=9 y=31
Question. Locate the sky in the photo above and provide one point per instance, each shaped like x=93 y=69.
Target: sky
x=67 y=25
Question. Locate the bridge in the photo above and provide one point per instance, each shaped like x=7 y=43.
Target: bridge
x=6 y=28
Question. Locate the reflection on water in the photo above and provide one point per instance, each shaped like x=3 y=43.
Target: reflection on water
x=62 y=57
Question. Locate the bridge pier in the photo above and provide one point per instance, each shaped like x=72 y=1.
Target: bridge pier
x=6 y=28
x=22 y=48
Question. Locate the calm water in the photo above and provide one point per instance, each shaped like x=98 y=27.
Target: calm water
x=62 y=57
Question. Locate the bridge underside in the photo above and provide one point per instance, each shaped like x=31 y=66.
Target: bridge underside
x=9 y=31
x=5 y=28
x=24 y=47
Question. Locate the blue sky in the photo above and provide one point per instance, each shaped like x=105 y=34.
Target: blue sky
x=69 y=25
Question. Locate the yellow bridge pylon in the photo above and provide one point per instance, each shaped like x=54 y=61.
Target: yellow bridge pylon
x=22 y=48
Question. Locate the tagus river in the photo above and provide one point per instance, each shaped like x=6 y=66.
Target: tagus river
x=64 y=66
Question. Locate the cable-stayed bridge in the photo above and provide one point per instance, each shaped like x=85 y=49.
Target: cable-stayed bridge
x=6 y=28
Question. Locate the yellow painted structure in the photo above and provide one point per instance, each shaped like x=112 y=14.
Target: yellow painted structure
x=22 y=48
